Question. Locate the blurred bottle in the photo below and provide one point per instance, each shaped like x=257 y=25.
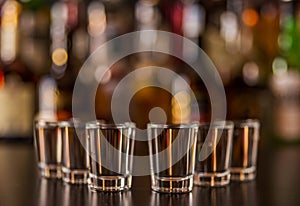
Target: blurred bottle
x=68 y=51
x=241 y=29
x=221 y=40
x=98 y=35
x=105 y=23
x=241 y=57
x=148 y=16
x=17 y=82
x=188 y=18
x=285 y=82
x=34 y=32
x=222 y=43
x=288 y=39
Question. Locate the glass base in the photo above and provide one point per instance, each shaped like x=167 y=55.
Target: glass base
x=212 y=179
x=50 y=171
x=109 y=183
x=74 y=176
x=172 y=184
x=243 y=174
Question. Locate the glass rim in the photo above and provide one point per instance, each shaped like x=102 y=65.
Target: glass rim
x=224 y=124
x=99 y=124
x=45 y=123
x=171 y=125
x=247 y=122
x=72 y=122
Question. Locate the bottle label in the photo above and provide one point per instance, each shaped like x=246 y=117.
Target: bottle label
x=287 y=116
x=16 y=110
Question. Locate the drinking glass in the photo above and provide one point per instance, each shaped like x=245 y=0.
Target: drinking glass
x=110 y=155
x=213 y=154
x=48 y=147
x=244 y=150
x=172 y=156
x=74 y=155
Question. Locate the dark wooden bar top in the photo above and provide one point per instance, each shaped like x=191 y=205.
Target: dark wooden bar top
x=277 y=183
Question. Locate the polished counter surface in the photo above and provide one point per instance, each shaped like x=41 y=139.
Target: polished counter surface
x=277 y=183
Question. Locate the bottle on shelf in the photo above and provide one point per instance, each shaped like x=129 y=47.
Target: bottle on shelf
x=240 y=57
x=191 y=26
x=17 y=93
x=67 y=33
x=285 y=81
x=148 y=16
x=98 y=34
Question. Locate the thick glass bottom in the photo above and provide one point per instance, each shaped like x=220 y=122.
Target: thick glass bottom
x=212 y=179
x=50 y=171
x=75 y=176
x=243 y=174
x=172 y=184
x=109 y=183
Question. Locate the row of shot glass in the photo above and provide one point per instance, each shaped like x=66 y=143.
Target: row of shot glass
x=181 y=155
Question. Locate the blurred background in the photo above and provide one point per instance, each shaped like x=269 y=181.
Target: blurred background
x=254 y=44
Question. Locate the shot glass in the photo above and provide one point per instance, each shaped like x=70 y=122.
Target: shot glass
x=214 y=146
x=244 y=150
x=74 y=155
x=172 y=156
x=110 y=155
x=48 y=146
